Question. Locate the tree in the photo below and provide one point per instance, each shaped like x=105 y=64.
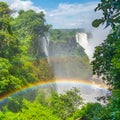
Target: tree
x=8 y=82
x=106 y=57
x=9 y=48
x=30 y=28
x=90 y=111
x=4 y=9
x=17 y=37
x=106 y=61
x=9 y=44
x=64 y=105
x=111 y=13
x=30 y=111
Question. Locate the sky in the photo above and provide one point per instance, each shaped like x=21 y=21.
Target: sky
x=67 y=14
x=61 y=13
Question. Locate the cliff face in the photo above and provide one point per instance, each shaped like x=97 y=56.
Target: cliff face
x=67 y=57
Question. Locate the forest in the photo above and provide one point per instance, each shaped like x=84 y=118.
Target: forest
x=23 y=62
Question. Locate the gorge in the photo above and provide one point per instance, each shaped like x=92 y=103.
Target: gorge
x=66 y=51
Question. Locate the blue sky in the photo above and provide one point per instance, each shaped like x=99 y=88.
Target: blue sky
x=48 y=4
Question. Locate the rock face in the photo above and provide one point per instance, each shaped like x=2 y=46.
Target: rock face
x=67 y=57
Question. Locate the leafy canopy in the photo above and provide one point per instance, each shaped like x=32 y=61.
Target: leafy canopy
x=107 y=55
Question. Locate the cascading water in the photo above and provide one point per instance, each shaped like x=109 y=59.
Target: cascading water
x=82 y=39
x=44 y=45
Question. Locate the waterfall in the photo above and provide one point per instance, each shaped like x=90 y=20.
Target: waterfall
x=44 y=45
x=82 y=39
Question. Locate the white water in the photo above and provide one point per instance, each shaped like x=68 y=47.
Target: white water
x=44 y=44
x=82 y=39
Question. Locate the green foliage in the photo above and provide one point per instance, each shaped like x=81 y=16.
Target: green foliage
x=90 y=111
x=106 y=61
x=64 y=105
x=4 y=9
x=9 y=49
x=30 y=27
x=17 y=37
x=97 y=22
x=111 y=13
x=22 y=62
x=55 y=107
x=61 y=35
x=8 y=82
x=106 y=57
x=24 y=70
x=43 y=70
x=30 y=111
x=9 y=45
x=61 y=107
x=112 y=110
x=95 y=111
x=32 y=21
x=5 y=25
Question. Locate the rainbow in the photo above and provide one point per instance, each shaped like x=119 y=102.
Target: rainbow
x=62 y=80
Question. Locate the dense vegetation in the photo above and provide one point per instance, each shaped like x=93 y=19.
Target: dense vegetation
x=22 y=62
x=106 y=57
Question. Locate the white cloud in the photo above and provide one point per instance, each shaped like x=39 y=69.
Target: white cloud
x=75 y=15
x=24 y=5
x=73 y=9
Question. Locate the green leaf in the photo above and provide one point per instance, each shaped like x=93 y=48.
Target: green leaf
x=97 y=22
